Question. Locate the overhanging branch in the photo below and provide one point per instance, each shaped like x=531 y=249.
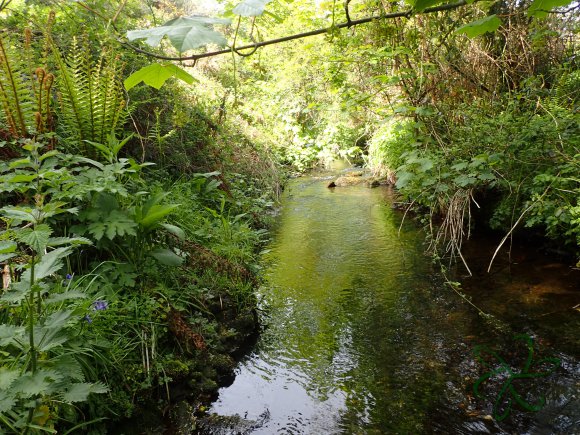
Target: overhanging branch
x=257 y=45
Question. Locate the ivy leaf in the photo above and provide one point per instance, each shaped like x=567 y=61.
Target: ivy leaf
x=80 y=391
x=155 y=75
x=36 y=238
x=540 y=8
x=251 y=8
x=479 y=27
x=184 y=33
x=167 y=257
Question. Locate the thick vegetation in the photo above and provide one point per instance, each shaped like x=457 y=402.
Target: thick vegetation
x=135 y=191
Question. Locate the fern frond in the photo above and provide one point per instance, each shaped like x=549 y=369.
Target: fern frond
x=91 y=98
x=17 y=101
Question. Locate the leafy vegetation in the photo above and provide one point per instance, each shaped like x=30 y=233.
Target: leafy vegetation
x=134 y=204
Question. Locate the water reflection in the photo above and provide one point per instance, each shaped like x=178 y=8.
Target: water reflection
x=358 y=339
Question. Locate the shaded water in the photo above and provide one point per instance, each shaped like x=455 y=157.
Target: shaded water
x=360 y=338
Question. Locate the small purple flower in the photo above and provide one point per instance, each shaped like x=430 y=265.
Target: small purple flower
x=100 y=305
x=88 y=319
x=68 y=276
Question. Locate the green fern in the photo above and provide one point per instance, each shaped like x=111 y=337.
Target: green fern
x=91 y=98
x=24 y=91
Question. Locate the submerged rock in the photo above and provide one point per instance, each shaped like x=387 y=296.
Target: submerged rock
x=215 y=424
x=353 y=179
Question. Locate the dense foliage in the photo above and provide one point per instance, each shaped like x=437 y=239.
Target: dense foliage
x=135 y=188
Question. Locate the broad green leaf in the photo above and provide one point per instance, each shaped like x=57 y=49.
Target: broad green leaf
x=167 y=257
x=540 y=8
x=29 y=385
x=175 y=230
x=7 y=246
x=464 y=180
x=479 y=27
x=49 y=154
x=79 y=392
x=7 y=402
x=36 y=238
x=4 y=257
x=251 y=8
x=421 y=5
x=10 y=334
x=19 y=214
x=7 y=376
x=49 y=264
x=155 y=75
x=57 y=241
x=68 y=366
x=22 y=178
x=53 y=333
x=185 y=33
x=20 y=163
x=156 y=213
x=17 y=294
x=59 y=297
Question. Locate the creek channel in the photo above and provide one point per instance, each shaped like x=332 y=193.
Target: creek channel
x=362 y=336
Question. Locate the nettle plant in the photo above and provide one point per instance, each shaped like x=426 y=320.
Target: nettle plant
x=40 y=311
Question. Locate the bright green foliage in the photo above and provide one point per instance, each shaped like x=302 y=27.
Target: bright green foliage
x=251 y=8
x=156 y=75
x=92 y=103
x=477 y=28
x=185 y=33
x=541 y=8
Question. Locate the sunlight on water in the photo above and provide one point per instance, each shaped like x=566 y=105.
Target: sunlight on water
x=357 y=338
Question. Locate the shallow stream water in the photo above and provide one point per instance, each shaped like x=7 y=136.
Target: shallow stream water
x=361 y=335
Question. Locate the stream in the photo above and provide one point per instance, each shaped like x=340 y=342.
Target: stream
x=362 y=336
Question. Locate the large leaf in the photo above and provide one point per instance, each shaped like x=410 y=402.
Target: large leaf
x=167 y=257
x=36 y=238
x=479 y=27
x=155 y=75
x=7 y=376
x=7 y=246
x=49 y=264
x=251 y=8
x=11 y=334
x=156 y=213
x=69 y=366
x=79 y=392
x=540 y=8
x=185 y=33
x=59 y=297
x=7 y=250
x=175 y=230
x=58 y=241
x=29 y=385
